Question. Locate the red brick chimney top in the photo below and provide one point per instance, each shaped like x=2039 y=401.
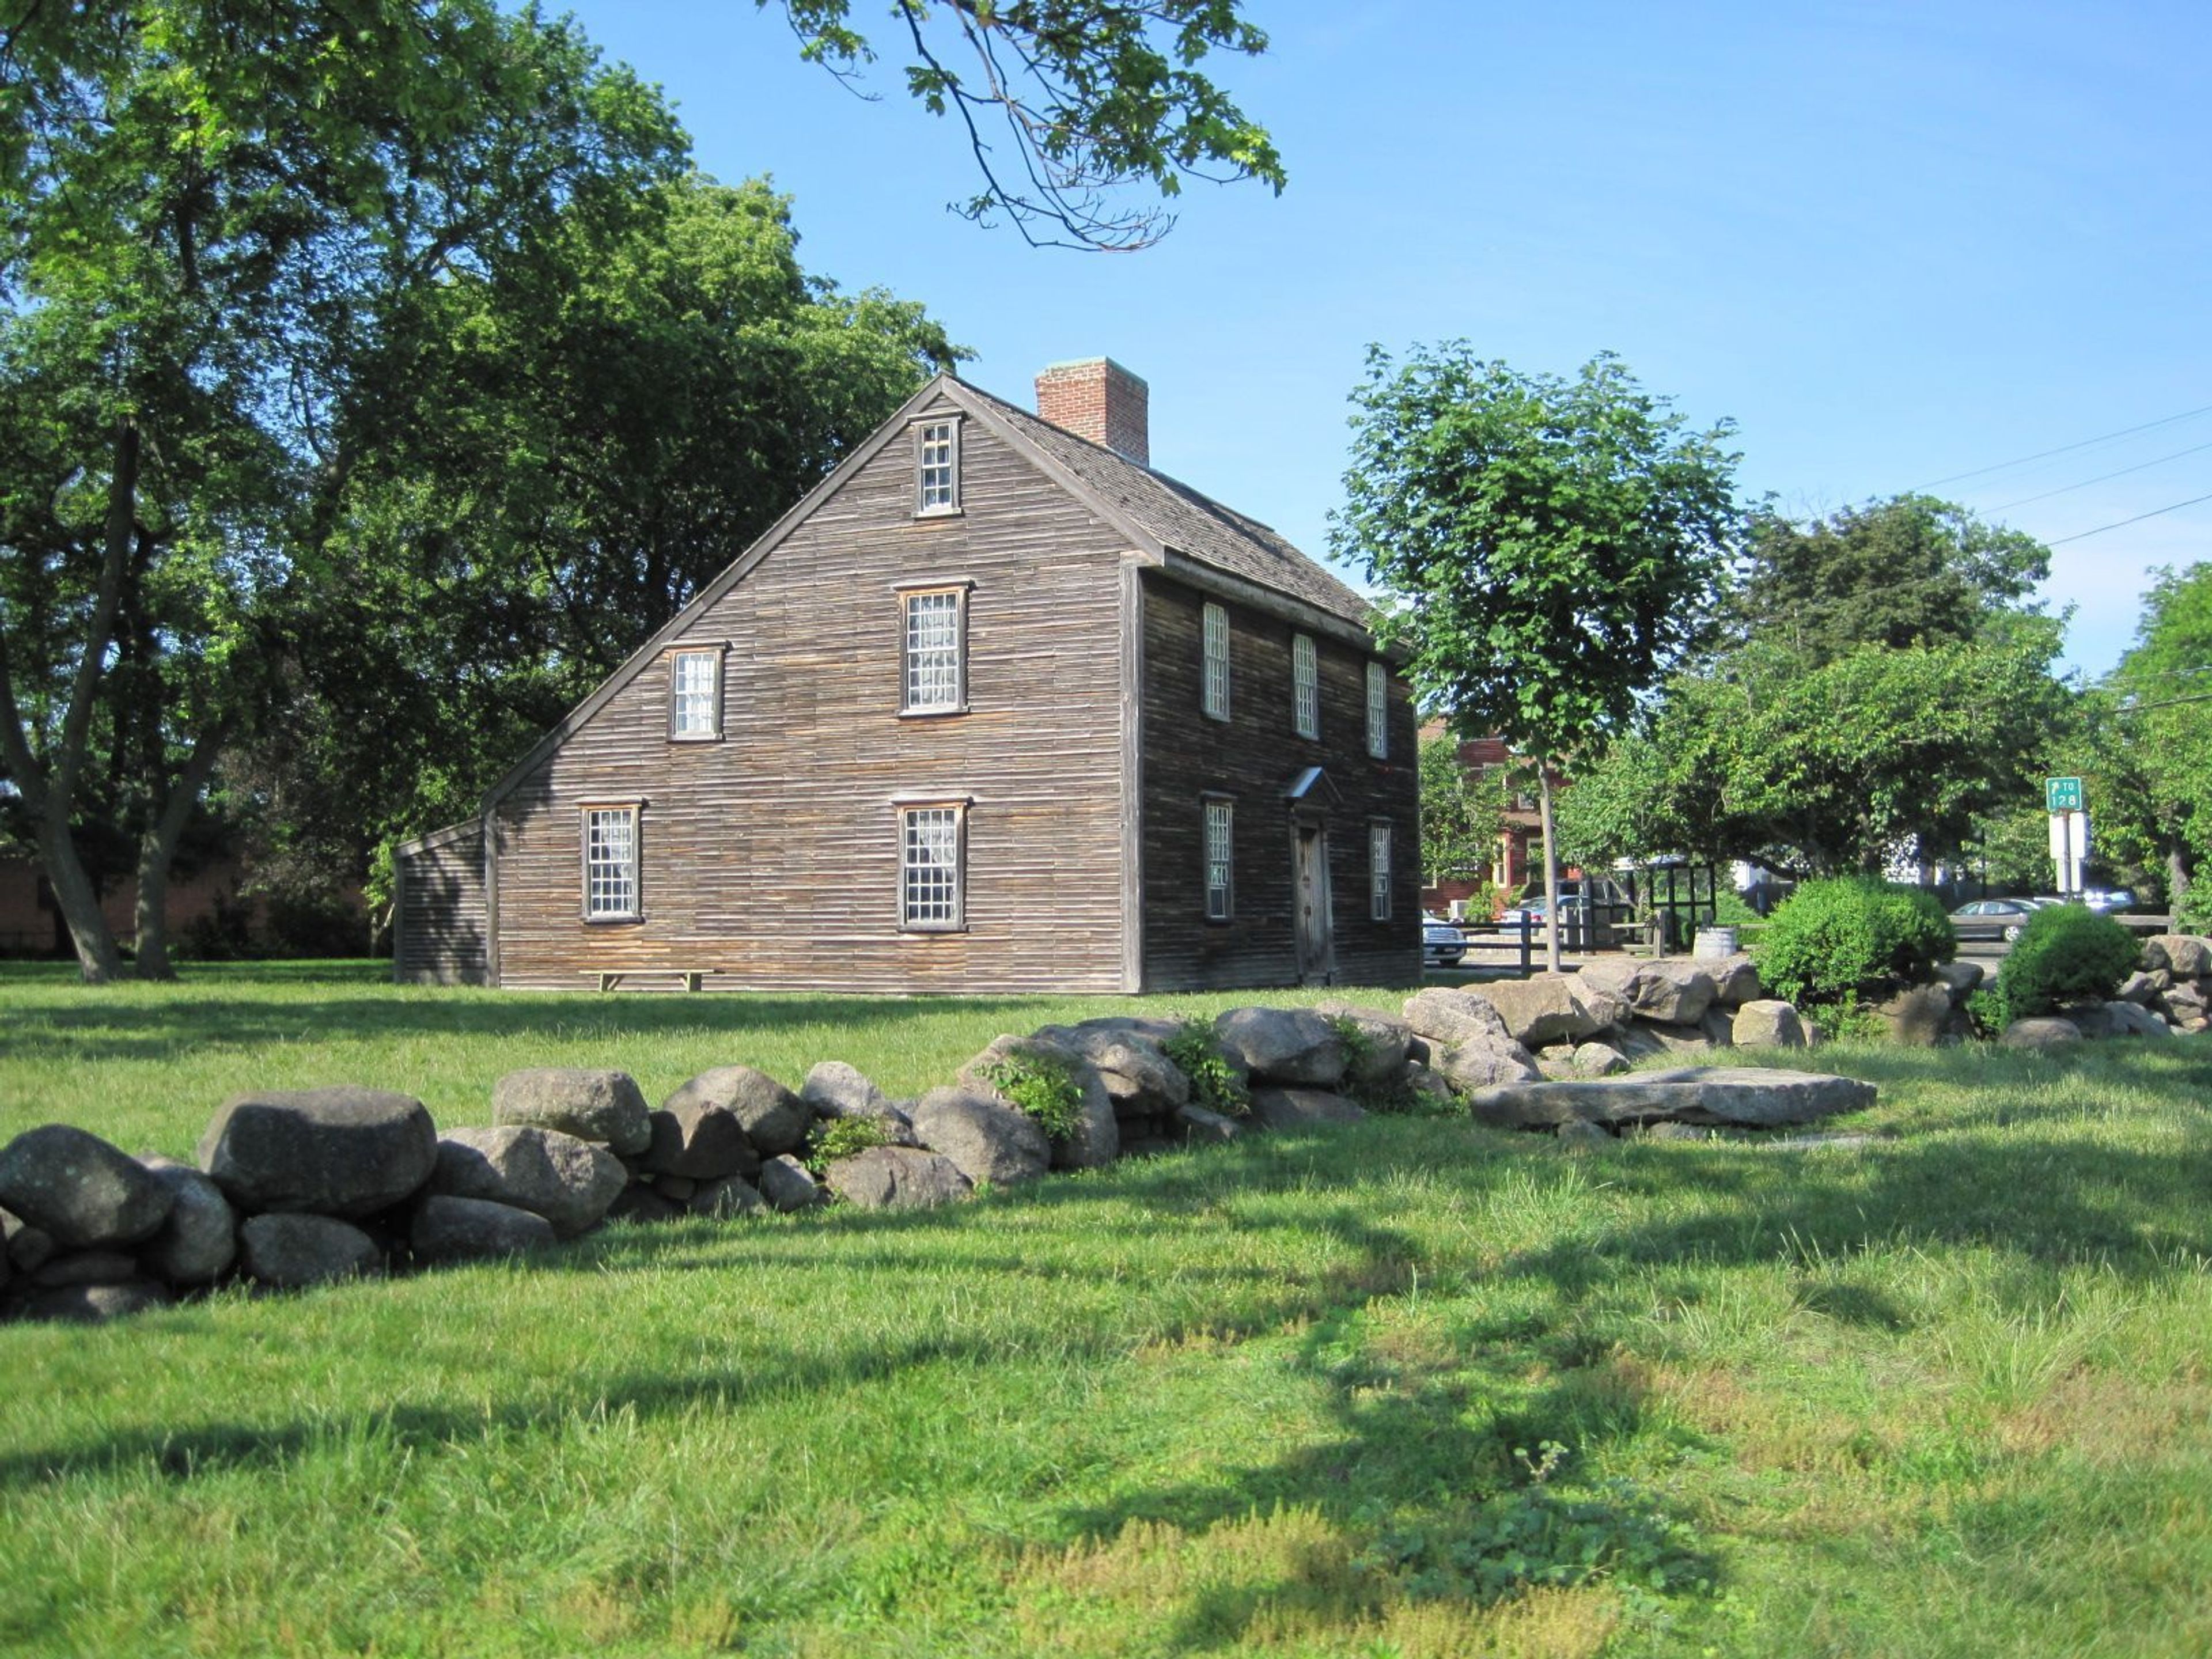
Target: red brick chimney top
x=1098 y=399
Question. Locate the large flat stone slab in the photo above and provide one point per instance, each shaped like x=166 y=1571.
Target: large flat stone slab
x=1747 y=1096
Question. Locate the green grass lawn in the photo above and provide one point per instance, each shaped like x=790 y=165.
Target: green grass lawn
x=1409 y=1389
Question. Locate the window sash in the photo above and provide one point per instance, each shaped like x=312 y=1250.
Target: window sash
x=1305 y=681
x=1378 y=711
x=930 y=884
x=1378 y=872
x=934 y=624
x=1215 y=696
x=936 y=467
x=1220 y=854
x=610 y=863
x=693 y=705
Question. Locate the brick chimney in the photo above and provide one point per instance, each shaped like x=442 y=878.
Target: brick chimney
x=1098 y=399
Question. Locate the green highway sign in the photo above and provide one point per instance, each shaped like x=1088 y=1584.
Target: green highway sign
x=2063 y=795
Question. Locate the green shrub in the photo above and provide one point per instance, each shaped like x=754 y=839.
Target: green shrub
x=1042 y=1088
x=1852 y=936
x=1214 y=1084
x=2192 y=911
x=2066 y=953
x=835 y=1138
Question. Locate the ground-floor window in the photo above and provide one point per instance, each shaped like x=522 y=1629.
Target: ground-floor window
x=1220 y=826
x=610 y=864
x=932 y=867
x=1378 y=872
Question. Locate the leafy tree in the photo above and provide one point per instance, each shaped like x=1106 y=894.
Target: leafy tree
x=1547 y=549
x=2154 y=796
x=1911 y=571
x=1462 y=816
x=219 y=213
x=1088 y=98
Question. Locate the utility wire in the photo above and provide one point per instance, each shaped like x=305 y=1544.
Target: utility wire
x=2066 y=449
x=2101 y=478
x=2082 y=535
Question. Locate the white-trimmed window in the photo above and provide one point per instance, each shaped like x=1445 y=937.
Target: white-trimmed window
x=695 y=694
x=1378 y=872
x=1214 y=696
x=932 y=867
x=1378 y=711
x=610 y=864
x=1221 y=868
x=934 y=644
x=936 y=467
x=1305 y=685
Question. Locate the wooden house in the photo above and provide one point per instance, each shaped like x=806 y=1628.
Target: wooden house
x=996 y=708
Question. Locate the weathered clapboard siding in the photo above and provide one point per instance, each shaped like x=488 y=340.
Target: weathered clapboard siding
x=1253 y=757
x=439 y=926
x=773 y=854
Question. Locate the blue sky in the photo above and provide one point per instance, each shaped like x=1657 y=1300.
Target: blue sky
x=1896 y=242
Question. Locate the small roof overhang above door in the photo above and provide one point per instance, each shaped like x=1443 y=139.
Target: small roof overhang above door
x=1311 y=790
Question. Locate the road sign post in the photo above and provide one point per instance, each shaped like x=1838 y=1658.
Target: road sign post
x=2063 y=795
x=2069 y=831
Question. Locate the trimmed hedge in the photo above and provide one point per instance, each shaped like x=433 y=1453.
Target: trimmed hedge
x=1849 y=936
x=2066 y=953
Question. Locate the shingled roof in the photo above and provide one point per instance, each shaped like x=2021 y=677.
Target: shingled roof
x=1195 y=526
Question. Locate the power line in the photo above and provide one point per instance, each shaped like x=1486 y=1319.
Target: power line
x=2101 y=478
x=2066 y=449
x=2080 y=535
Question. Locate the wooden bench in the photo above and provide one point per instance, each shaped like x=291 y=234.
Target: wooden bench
x=692 y=979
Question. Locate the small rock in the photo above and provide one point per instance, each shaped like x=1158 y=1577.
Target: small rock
x=2139 y=987
x=1141 y=1080
x=1446 y=1016
x=1293 y=1046
x=2186 y=956
x=1919 y=1018
x=1552 y=1008
x=28 y=1247
x=644 y=1206
x=1096 y=1140
x=1379 y=1060
x=897 y=1178
x=2039 y=1033
x=604 y=1107
x=1769 y=1023
x=699 y=1139
x=834 y=1089
x=985 y=1138
x=1961 y=979
x=200 y=1241
x=86 y=1267
x=1209 y=1128
x=1483 y=1062
x=290 y=1251
x=568 y=1180
x=1673 y=991
x=77 y=1188
x=788 y=1186
x=1580 y=1135
x=728 y=1199
x=335 y=1152
x=1302 y=1108
x=1599 y=1060
x=676 y=1189
x=96 y=1305
x=1735 y=981
x=774 y=1119
x=449 y=1229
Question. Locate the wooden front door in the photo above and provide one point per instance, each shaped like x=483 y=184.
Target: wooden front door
x=1317 y=942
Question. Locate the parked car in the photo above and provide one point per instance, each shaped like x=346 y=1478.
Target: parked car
x=1532 y=911
x=2106 y=899
x=1989 y=918
x=1442 y=944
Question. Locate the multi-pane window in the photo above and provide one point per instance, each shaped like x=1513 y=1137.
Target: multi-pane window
x=937 y=466
x=1220 y=822
x=932 y=649
x=610 y=863
x=1378 y=872
x=1378 y=711
x=1216 y=693
x=1305 y=685
x=929 y=868
x=694 y=703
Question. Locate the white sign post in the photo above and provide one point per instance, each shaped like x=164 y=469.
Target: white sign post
x=2069 y=849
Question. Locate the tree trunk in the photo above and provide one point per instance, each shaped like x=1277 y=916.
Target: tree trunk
x=1550 y=866
x=157 y=848
x=2179 y=880
x=100 y=961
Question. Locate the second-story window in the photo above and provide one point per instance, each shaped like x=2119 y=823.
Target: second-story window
x=695 y=701
x=1305 y=685
x=936 y=467
x=1213 y=696
x=1378 y=711
x=934 y=638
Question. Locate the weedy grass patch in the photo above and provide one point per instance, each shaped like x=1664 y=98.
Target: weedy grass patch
x=1408 y=1389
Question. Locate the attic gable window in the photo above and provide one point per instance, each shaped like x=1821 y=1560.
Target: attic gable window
x=937 y=469
x=1305 y=685
x=1378 y=711
x=1214 y=695
x=933 y=650
x=611 y=884
x=695 y=696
